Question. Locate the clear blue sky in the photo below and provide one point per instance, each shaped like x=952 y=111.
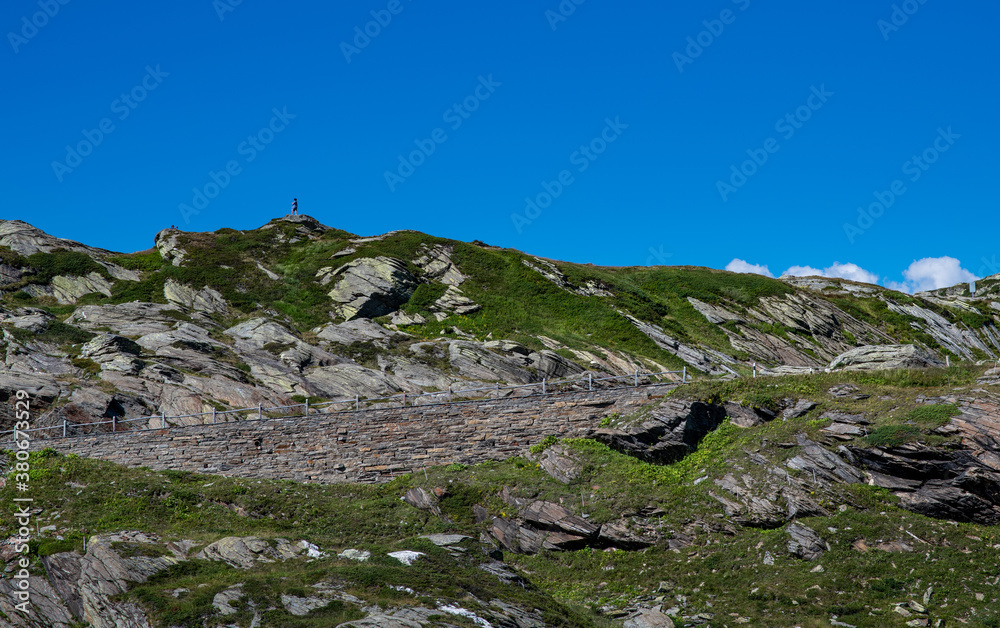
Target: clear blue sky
x=552 y=85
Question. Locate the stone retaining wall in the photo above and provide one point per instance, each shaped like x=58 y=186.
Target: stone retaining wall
x=367 y=446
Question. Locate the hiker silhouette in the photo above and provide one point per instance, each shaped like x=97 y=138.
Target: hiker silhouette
x=295 y=207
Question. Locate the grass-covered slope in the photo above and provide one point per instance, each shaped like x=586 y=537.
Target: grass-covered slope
x=704 y=566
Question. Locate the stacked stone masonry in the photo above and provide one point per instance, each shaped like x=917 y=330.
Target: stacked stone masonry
x=366 y=446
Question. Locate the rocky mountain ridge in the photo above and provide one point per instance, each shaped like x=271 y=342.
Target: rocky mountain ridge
x=853 y=482
x=298 y=310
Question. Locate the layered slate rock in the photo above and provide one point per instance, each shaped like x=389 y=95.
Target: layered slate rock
x=204 y=300
x=67 y=290
x=127 y=319
x=880 y=357
x=558 y=462
x=371 y=287
x=166 y=244
x=668 y=433
x=85 y=588
x=713 y=363
x=436 y=263
x=955 y=485
x=453 y=301
x=805 y=543
x=474 y=361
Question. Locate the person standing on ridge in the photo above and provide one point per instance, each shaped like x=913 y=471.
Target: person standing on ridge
x=295 y=207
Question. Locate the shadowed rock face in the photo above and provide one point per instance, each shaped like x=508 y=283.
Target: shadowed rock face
x=669 y=433
x=953 y=485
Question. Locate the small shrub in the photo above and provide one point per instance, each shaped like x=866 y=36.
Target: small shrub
x=86 y=365
x=936 y=415
x=892 y=435
x=547 y=442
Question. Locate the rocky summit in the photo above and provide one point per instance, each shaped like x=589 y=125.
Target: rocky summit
x=298 y=426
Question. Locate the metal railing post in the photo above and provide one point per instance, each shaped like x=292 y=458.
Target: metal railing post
x=449 y=392
x=307 y=406
x=213 y=416
x=404 y=400
x=260 y=411
x=590 y=381
x=64 y=428
x=498 y=390
x=685 y=378
x=114 y=423
x=636 y=380
x=543 y=386
x=357 y=403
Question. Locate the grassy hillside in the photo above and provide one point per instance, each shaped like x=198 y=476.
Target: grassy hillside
x=720 y=574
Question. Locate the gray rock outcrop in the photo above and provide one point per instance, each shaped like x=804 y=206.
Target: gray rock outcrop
x=68 y=290
x=879 y=357
x=204 y=300
x=371 y=287
x=667 y=433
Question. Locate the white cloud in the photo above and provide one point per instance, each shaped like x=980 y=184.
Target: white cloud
x=802 y=271
x=932 y=273
x=852 y=272
x=740 y=266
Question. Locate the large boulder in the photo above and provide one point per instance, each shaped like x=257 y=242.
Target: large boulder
x=107 y=347
x=25 y=239
x=166 y=244
x=474 y=361
x=649 y=618
x=127 y=319
x=371 y=287
x=204 y=300
x=453 y=301
x=667 y=433
x=805 y=542
x=879 y=357
x=67 y=290
x=436 y=263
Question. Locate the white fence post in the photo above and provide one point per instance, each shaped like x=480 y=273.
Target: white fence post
x=260 y=411
x=543 y=386
x=64 y=428
x=213 y=416
x=307 y=406
x=590 y=381
x=685 y=378
x=114 y=423
x=357 y=403
x=636 y=380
